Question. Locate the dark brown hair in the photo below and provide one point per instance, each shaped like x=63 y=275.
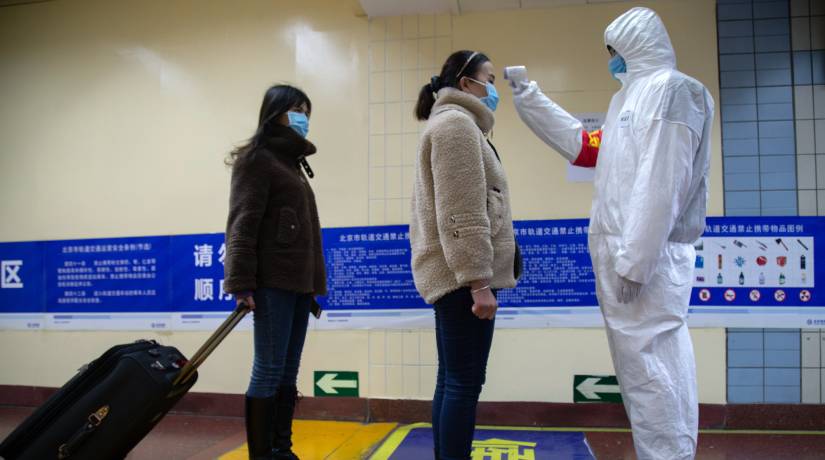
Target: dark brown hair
x=278 y=100
x=458 y=65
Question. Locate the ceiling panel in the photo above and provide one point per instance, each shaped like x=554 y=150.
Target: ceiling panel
x=375 y=8
x=467 y=6
x=550 y=3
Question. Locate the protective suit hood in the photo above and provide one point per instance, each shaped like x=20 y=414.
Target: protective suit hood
x=639 y=35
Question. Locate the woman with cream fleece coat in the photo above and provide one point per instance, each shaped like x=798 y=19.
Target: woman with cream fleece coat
x=461 y=227
x=461 y=233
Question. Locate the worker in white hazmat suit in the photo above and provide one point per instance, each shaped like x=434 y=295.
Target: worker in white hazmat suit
x=651 y=159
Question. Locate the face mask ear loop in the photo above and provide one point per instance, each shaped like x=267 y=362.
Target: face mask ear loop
x=479 y=82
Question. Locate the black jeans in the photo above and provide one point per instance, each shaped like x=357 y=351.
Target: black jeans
x=463 y=341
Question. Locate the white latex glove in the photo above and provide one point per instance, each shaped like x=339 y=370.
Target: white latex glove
x=628 y=290
x=516 y=75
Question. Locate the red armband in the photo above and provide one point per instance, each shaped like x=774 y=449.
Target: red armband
x=590 y=149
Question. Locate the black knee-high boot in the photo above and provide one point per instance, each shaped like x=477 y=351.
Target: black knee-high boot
x=282 y=441
x=259 y=414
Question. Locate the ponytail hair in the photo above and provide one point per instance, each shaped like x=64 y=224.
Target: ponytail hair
x=459 y=64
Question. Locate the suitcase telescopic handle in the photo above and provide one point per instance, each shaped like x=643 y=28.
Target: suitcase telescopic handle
x=214 y=340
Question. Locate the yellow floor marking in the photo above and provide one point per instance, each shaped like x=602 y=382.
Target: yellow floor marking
x=328 y=440
x=627 y=430
x=394 y=440
x=363 y=441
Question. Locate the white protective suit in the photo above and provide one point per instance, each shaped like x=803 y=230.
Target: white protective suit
x=649 y=208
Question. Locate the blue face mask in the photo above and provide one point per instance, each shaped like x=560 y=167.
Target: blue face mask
x=616 y=65
x=299 y=122
x=491 y=99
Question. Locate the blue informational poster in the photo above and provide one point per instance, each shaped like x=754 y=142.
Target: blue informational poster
x=557 y=270
x=22 y=285
x=758 y=272
x=749 y=272
x=197 y=273
x=107 y=275
x=368 y=268
x=746 y=264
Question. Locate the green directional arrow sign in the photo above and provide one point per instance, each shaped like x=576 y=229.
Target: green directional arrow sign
x=596 y=388
x=336 y=383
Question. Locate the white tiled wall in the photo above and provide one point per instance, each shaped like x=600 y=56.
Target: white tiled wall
x=404 y=53
x=811 y=366
x=788 y=35
x=402 y=363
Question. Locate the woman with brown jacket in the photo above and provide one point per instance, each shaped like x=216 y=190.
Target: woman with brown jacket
x=274 y=261
x=461 y=231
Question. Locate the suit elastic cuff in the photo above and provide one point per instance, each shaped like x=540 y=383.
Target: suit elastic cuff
x=627 y=269
x=519 y=87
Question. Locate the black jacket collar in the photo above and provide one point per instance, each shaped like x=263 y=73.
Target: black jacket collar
x=283 y=140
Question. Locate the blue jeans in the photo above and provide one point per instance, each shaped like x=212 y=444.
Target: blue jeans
x=281 y=319
x=463 y=342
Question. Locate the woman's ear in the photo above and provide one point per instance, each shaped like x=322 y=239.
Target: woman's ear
x=463 y=84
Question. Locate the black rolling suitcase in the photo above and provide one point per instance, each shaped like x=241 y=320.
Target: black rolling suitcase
x=113 y=402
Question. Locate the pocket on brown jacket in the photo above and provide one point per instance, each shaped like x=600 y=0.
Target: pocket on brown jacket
x=288 y=226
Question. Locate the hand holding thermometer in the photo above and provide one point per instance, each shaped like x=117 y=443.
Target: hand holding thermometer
x=515 y=74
